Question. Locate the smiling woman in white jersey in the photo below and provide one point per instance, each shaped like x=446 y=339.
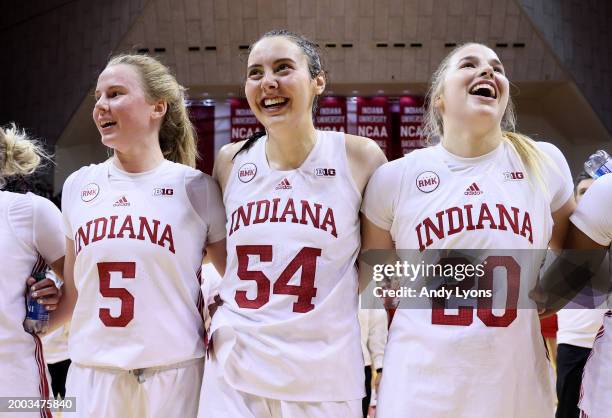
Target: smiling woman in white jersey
x=286 y=337
x=30 y=239
x=483 y=187
x=137 y=226
x=591 y=229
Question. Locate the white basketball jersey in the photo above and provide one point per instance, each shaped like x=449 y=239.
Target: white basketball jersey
x=138 y=243
x=467 y=361
x=30 y=237
x=288 y=325
x=592 y=216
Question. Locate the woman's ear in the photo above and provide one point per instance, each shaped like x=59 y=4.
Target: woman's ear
x=320 y=83
x=159 y=109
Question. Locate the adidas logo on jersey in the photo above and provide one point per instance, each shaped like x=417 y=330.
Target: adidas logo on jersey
x=284 y=184
x=473 y=190
x=122 y=202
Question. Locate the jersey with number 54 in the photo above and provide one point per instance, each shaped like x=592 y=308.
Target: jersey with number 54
x=288 y=325
x=138 y=241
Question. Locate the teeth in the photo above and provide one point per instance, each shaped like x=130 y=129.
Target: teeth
x=274 y=101
x=484 y=86
x=106 y=124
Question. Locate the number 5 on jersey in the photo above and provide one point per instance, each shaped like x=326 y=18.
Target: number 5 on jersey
x=306 y=259
x=128 y=271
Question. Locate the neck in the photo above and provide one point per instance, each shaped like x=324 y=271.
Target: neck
x=288 y=147
x=468 y=144
x=138 y=159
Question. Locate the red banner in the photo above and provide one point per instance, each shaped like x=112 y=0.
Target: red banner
x=243 y=121
x=331 y=114
x=203 y=118
x=374 y=121
x=411 y=123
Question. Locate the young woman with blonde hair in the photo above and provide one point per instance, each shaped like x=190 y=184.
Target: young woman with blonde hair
x=30 y=239
x=483 y=187
x=137 y=227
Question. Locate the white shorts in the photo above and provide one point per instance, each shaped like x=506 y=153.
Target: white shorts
x=26 y=377
x=220 y=400
x=162 y=392
x=596 y=390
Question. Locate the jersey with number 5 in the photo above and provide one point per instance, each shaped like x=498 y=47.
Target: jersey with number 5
x=138 y=241
x=464 y=358
x=288 y=325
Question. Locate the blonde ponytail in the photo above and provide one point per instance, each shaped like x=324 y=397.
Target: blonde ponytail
x=531 y=156
x=19 y=155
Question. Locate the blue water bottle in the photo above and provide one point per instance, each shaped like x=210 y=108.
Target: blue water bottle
x=598 y=164
x=37 y=316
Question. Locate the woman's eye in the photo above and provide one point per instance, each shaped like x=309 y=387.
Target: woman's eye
x=254 y=74
x=498 y=70
x=467 y=65
x=283 y=67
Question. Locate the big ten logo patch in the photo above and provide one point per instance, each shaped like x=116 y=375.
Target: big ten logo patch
x=163 y=191
x=325 y=172
x=513 y=175
x=247 y=172
x=427 y=181
x=90 y=192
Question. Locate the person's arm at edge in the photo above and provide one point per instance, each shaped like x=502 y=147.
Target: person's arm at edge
x=63 y=313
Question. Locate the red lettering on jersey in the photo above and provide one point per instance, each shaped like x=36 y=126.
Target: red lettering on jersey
x=167 y=236
x=329 y=220
x=259 y=216
x=485 y=215
x=289 y=210
x=505 y=216
x=455 y=219
x=241 y=214
x=527 y=228
x=113 y=219
x=452 y=229
x=429 y=226
x=310 y=214
x=99 y=233
x=101 y=230
x=275 y=202
x=313 y=219
x=81 y=239
x=470 y=225
x=127 y=225
x=144 y=224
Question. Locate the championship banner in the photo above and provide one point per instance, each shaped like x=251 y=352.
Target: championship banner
x=202 y=115
x=331 y=114
x=374 y=122
x=411 y=123
x=243 y=121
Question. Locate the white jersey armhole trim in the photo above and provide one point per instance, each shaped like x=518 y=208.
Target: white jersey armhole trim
x=193 y=210
x=399 y=194
x=347 y=168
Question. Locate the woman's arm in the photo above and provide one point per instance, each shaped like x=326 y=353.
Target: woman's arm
x=63 y=313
